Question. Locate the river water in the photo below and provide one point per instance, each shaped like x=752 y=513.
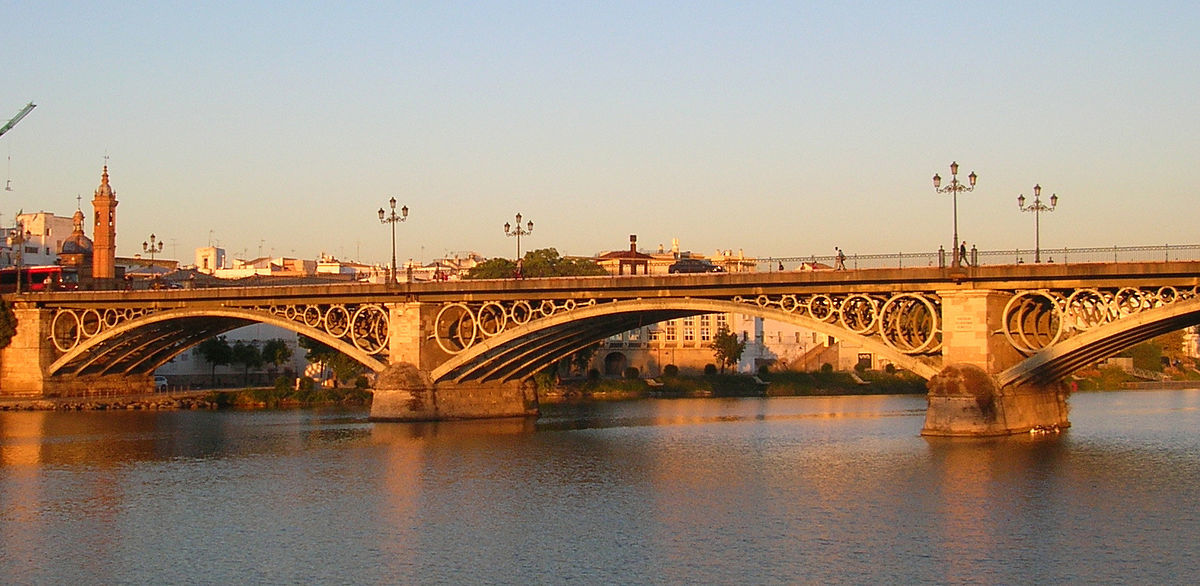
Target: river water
x=780 y=490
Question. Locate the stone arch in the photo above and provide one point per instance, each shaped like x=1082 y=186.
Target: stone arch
x=1057 y=361
x=142 y=344
x=520 y=351
x=614 y=363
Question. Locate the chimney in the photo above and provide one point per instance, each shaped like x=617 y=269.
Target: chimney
x=633 y=243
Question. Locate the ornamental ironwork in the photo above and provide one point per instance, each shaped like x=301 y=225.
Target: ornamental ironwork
x=365 y=326
x=1036 y=319
x=458 y=326
x=909 y=323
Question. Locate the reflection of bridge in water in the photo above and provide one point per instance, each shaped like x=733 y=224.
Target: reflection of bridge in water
x=994 y=341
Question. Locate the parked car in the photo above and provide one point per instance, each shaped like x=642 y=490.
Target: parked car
x=694 y=265
x=160 y=383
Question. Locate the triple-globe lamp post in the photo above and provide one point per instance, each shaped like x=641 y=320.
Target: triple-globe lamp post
x=1037 y=207
x=393 y=219
x=518 y=231
x=954 y=188
x=152 y=247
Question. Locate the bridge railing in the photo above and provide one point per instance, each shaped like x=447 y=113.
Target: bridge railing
x=942 y=258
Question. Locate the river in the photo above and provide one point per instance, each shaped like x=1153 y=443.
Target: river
x=762 y=491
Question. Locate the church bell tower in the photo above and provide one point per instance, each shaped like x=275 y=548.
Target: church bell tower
x=104 y=234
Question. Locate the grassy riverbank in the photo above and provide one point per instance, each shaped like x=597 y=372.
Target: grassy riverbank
x=780 y=384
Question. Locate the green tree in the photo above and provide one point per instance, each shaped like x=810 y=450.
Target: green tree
x=248 y=355
x=8 y=323
x=344 y=367
x=727 y=348
x=493 y=268
x=276 y=353
x=217 y=352
x=543 y=262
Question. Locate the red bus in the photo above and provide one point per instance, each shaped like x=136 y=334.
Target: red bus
x=38 y=278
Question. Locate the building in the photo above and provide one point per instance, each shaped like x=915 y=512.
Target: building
x=190 y=370
x=685 y=343
x=104 y=231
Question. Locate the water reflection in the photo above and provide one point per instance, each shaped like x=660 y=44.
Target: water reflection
x=740 y=490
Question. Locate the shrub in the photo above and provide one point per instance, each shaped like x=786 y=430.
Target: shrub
x=890 y=368
x=631 y=372
x=593 y=374
x=764 y=370
x=710 y=369
x=826 y=368
x=671 y=370
x=361 y=382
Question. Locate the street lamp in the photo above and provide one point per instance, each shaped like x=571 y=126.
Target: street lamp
x=954 y=189
x=151 y=247
x=392 y=218
x=509 y=230
x=17 y=239
x=1037 y=207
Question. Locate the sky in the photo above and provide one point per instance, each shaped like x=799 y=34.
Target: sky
x=775 y=128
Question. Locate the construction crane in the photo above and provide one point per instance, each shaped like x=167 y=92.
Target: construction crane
x=23 y=113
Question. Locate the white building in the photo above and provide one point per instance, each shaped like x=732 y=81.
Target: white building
x=44 y=237
x=189 y=369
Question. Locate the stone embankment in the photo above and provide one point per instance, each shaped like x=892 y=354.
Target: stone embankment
x=147 y=403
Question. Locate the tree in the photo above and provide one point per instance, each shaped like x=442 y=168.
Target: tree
x=8 y=323
x=247 y=355
x=543 y=262
x=276 y=353
x=493 y=268
x=217 y=352
x=727 y=348
x=344 y=367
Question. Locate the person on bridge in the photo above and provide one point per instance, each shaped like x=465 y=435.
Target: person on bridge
x=962 y=254
x=840 y=260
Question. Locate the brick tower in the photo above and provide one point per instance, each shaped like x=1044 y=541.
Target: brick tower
x=104 y=235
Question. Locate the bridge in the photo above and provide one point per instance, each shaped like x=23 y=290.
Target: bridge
x=994 y=342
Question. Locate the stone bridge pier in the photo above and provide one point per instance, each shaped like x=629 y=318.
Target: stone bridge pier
x=965 y=398
x=405 y=391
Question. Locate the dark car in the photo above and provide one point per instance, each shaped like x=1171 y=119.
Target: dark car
x=694 y=265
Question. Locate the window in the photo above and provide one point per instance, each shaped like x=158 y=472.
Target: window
x=689 y=334
x=689 y=320
x=670 y=333
x=705 y=333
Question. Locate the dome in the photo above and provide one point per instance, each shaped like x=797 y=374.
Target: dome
x=77 y=242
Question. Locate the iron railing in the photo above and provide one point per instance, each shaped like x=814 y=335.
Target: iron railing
x=941 y=258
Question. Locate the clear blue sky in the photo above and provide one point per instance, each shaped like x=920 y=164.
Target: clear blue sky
x=781 y=128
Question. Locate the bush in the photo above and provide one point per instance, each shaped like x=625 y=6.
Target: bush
x=826 y=368
x=710 y=369
x=671 y=370
x=593 y=374
x=890 y=368
x=631 y=372
x=361 y=382
x=764 y=370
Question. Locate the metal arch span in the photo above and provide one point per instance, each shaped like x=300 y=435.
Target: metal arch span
x=1059 y=360
x=520 y=351
x=143 y=344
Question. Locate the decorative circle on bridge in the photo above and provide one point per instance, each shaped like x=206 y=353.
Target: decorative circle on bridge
x=1036 y=319
x=365 y=326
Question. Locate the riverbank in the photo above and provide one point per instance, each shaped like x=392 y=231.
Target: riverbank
x=250 y=398
x=779 y=384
